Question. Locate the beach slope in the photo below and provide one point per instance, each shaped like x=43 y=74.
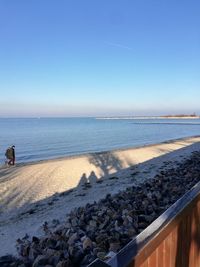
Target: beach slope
x=33 y=193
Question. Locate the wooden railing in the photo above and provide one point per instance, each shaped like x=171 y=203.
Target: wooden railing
x=172 y=240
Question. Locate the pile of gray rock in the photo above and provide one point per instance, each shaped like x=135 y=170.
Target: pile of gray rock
x=101 y=229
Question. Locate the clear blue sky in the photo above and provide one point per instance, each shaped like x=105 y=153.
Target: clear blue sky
x=98 y=58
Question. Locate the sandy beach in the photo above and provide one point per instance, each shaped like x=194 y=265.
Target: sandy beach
x=33 y=193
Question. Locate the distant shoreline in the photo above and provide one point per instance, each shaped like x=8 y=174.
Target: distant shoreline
x=147 y=117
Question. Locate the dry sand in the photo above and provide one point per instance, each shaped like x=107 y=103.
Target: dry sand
x=33 y=193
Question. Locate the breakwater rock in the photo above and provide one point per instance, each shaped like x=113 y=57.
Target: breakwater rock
x=101 y=229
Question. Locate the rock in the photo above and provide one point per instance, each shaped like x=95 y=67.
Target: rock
x=114 y=246
x=51 y=243
x=25 y=250
x=93 y=223
x=110 y=255
x=50 y=252
x=35 y=239
x=54 y=260
x=131 y=232
x=101 y=255
x=74 y=222
x=87 y=243
x=88 y=259
x=72 y=239
x=6 y=259
x=76 y=255
x=100 y=238
x=41 y=260
x=33 y=253
x=64 y=263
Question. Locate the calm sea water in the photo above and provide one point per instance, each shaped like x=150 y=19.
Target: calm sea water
x=46 y=138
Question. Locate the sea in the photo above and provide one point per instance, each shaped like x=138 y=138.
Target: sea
x=38 y=139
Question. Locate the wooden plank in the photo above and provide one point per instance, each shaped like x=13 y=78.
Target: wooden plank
x=152 y=260
x=145 y=264
x=194 y=233
x=160 y=254
x=167 y=255
x=188 y=238
x=184 y=239
x=174 y=246
x=191 y=262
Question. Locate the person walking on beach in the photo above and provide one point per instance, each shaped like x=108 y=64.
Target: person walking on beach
x=10 y=155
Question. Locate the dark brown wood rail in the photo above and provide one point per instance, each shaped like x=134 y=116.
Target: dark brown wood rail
x=172 y=240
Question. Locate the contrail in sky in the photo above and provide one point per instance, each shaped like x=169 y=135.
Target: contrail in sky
x=117 y=45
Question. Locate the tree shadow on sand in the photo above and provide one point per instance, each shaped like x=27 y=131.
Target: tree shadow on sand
x=106 y=162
